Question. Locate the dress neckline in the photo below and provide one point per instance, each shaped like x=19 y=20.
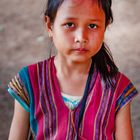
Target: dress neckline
x=58 y=93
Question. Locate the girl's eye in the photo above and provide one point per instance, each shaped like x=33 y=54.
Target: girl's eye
x=92 y=26
x=69 y=25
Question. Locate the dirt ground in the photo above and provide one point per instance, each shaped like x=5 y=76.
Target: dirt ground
x=23 y=40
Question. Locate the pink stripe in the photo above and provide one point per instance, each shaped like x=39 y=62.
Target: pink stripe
x=33 y=72
x=104 y=115
x=122 y=85
x=109 y=128
x=91 y=110
x=99 y=97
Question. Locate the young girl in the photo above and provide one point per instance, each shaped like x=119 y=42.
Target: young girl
x=79 y=94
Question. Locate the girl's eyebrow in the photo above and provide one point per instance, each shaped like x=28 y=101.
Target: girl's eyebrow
x=70 y=18
x=96 y=19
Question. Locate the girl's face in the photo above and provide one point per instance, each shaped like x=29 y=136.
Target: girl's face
x=78 y=30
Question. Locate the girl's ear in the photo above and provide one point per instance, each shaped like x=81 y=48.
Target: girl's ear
x=48 y=25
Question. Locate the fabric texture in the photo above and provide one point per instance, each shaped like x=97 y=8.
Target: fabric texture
x=37 y=89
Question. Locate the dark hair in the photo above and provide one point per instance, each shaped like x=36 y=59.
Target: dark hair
x=103 y=59
x=53 y=5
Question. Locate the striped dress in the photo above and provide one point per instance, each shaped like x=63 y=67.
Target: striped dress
x=37 y=89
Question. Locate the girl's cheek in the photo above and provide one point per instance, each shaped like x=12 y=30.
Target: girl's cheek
x=68 y=34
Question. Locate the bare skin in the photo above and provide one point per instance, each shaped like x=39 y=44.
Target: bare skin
x=123 y=124
x=20 y=124
x=75 y=77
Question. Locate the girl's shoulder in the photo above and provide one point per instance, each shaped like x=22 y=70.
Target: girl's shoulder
x=124 y=91
x=37 y=65
x=122 y=82
x=42 y=62
x=30 y=73
x=21 y=86
x=122 y=79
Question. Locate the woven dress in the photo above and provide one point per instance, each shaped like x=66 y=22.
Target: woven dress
x=37 y=89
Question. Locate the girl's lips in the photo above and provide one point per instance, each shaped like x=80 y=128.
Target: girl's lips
x=80 y=50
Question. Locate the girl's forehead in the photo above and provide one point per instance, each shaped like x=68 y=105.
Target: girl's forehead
x=78 y=2
x=82 y=8
x=74 y=2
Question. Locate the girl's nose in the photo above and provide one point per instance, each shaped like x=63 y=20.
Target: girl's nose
x=81 y=36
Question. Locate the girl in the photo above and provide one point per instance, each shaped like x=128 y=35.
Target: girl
x=79 y=94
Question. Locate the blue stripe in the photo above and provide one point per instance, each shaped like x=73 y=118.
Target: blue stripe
x=71 y=104
x=15 y=96
x=24 y=75
x=128 y=98
x=123 y=100
x=124 y=92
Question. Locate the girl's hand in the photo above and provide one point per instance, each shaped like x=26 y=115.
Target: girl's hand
x=20 y=123
x=123 y=124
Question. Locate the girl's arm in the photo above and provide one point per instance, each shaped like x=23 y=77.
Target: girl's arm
x=123 y=124
x=20 y=124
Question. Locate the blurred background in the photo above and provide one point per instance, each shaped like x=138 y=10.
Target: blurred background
x=24 y=40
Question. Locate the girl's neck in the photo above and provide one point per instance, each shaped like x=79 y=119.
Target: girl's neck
x=72 y=76
x=69 y=68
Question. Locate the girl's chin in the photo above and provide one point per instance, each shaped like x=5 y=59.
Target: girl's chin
x=80 y=59
x=74 y=58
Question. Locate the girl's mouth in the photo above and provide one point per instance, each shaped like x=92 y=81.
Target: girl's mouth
x=80 y=50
